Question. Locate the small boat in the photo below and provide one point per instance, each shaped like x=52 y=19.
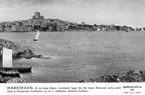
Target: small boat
x=37 y=36
x=6 y=66
x=9 y=73
x=19 y=69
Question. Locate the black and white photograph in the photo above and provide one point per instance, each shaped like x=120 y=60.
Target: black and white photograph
x=72 y=41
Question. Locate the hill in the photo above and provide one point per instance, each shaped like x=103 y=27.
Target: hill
x=38 y=22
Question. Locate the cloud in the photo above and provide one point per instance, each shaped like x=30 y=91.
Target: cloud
x=121 y=4
x=24 y=2
x=91 y=11
x=31 y=2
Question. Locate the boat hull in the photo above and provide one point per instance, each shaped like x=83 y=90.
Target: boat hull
x=9 y=73
x=19 y=69
x=34 y=39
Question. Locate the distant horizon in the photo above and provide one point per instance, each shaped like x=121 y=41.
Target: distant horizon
x=108 y=12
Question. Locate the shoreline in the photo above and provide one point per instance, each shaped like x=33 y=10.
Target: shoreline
x=86 y=31
x=129 y=76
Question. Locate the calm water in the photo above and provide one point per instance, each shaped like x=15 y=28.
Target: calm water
x=80 y=55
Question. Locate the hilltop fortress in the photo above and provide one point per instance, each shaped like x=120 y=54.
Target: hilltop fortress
x=39 y=22
x=37 y=16
x=36 y=22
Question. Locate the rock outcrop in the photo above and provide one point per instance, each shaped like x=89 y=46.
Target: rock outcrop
x=28 y=54
x=130 y=76
x=17 y=52
x=133 y=76
x=16 y=80
x=11 y=80
x=4 y=79
x=8 y=44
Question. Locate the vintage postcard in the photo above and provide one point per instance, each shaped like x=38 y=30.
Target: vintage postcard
x=72 y=46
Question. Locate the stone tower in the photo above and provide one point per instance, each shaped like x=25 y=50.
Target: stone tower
x=37 y=16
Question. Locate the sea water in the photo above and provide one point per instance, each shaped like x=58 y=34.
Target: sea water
x=79 y=56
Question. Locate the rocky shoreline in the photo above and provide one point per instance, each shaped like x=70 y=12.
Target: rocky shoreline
x=18 y=53
x=11 y=80
x=130 y=76
x=28 y=54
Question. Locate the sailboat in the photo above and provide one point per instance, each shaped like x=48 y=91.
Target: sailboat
x=37 y=36
x=6 y=64
x=7 y=57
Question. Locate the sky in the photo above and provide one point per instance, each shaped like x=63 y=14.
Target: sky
x=118 y=12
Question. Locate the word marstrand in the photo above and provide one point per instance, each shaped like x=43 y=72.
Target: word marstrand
x=20 y=87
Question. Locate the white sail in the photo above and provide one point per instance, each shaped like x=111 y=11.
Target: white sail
x=7 y=57
x=37 y=35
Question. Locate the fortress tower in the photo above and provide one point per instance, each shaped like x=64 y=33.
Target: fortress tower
x=37 y=16
x=38 y=19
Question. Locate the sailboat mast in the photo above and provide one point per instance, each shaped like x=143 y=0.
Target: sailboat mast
x=38 y=28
